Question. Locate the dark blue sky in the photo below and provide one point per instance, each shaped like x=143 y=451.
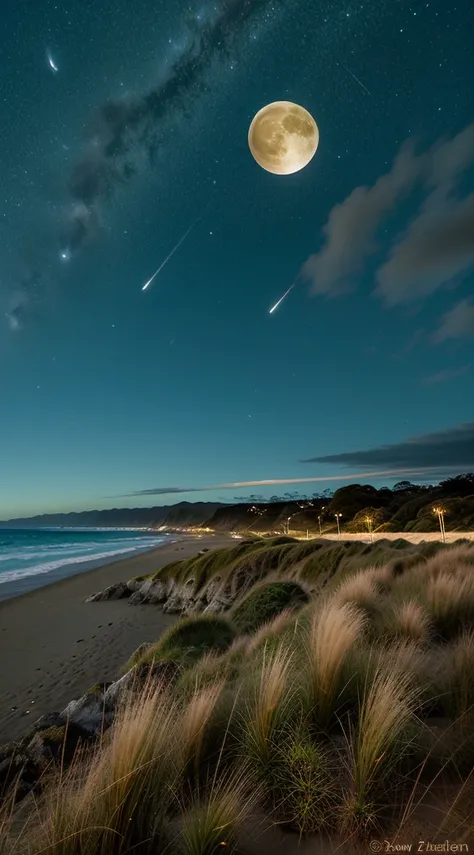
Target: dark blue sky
x=108 y=391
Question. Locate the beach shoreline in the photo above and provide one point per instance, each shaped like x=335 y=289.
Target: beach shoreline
x=54 y=646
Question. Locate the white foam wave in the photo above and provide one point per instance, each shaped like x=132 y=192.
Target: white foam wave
x=47 y=566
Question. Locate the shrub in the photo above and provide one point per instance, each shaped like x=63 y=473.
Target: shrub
x=190 y=638
x=264 y=602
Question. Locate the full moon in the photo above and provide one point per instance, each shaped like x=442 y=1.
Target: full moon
x=283 y=137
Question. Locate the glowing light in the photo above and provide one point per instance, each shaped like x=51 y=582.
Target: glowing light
x=52 y=63
x=281 y=299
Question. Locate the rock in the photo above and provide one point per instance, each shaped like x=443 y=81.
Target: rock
x=135 y=679
x=18 y=772
x=119 y=591
x=89 y=712
x=152 y=591
x=58 y=743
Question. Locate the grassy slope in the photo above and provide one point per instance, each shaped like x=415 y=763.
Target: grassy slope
x=344 y=718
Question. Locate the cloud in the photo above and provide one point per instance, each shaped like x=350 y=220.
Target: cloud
x=420 y=471
x=457 y=323
x=445 y=375
x=437 y=245
x=452 y=448
x=351 y=227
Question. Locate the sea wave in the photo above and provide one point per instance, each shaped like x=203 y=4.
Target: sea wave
x=47 y=566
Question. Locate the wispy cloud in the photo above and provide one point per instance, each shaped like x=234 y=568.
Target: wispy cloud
x=458 y=322
x=452 y=448
x=445 y=375
x=420 y=471
x=436 y=246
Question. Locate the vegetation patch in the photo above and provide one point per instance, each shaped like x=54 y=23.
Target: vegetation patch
x=265 y=602
x=189 y=639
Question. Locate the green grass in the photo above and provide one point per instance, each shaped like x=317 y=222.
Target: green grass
x=265 y=602
x=188 y=640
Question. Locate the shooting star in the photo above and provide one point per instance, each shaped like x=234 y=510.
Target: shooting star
x=282 y=298
x=341 y=64
x=52 y=63
x=175 y=248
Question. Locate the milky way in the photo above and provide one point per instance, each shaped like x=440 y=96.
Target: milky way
x=129 y=132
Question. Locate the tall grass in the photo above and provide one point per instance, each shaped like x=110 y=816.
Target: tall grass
x=334 y=631
x=359 y=588
x=119 y=799
x=267 y=710
x=450 y=600
x=457 y=668
x=385 y=715
x=213 y=822
x=411 y=621
x=196 y=721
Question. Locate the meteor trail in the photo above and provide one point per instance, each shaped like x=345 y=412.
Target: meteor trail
x=282 y=298
x=183 y=238
x=354 y=77
x=52 y=64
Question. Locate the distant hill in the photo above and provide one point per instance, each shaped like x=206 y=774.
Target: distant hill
x=358 y=507
x=180 y=515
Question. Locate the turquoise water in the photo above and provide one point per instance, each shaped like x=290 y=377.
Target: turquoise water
x=30 y=558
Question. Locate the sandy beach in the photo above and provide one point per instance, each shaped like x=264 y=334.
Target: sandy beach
x=54 y=646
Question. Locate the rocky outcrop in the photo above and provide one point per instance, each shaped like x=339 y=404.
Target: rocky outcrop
x=55 y=737
x=119 y=591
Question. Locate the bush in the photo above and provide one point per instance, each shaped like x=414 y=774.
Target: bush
x=190 y=638
x=264 y=603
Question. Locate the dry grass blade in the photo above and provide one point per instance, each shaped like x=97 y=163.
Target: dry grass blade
x=119 y=797
x=333 y=632
x=195 y=720
x=267 y=708
x=386 y=710
x=214 y=822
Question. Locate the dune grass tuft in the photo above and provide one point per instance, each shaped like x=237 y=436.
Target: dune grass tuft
x=117 y=800
x=212 y=823
x=334 y=630
x=457 y=668
x=377 y=744
x=304 y=783
x=410 y=620
x=267 y=710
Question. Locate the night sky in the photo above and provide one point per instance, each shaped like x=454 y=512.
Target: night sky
x=125 y=122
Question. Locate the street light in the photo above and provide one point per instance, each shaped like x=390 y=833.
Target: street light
x=440 y=513
x=338 y=517
x=369 y=528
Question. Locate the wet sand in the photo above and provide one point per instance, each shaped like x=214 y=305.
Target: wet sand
x=54 y=646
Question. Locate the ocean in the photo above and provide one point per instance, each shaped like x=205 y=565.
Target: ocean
x=31 y=558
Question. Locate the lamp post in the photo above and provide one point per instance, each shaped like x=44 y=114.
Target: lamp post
x=440 y=512
x=338 y=517
x=369 y=528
